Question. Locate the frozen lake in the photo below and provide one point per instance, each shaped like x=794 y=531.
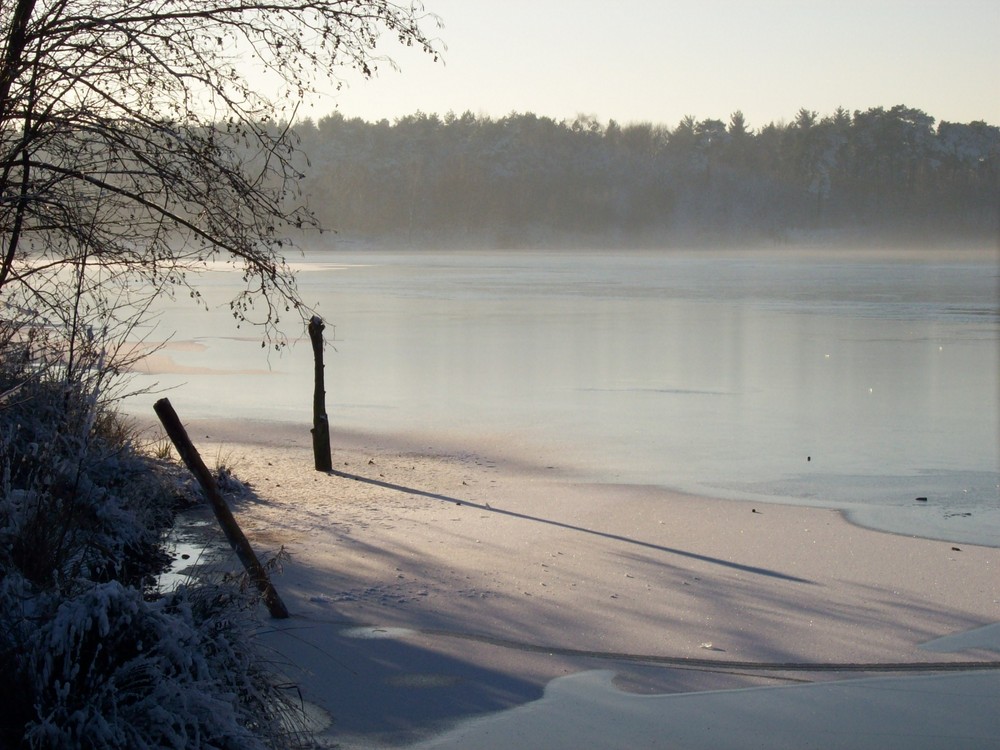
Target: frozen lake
x=842 y=379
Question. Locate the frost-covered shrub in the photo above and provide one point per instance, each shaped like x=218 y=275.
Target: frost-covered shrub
x=114 y=671
x=16 y=626
x=90 y=655
x=78 y=500
x=109 y=669
x=91 y=515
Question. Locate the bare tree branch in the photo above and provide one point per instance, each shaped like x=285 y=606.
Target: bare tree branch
x=133 y=135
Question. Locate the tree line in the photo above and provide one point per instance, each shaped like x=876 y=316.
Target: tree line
x=525 y=179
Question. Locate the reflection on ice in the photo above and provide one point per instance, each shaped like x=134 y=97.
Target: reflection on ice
x=781 y=374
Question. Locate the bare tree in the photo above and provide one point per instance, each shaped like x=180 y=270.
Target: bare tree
x=136 y=145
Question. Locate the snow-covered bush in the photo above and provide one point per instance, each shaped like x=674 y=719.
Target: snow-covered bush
x=91 y=655
x=79 y=502
x=111 y=670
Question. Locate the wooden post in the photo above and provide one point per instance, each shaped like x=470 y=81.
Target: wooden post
x=321 y=424
x=234 y=534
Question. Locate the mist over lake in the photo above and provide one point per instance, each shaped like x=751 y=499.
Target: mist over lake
x=847 y=379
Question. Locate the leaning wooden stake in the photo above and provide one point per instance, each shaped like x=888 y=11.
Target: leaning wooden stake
x=237 y=540
x=321 y=424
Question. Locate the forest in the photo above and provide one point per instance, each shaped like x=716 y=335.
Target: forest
x=880 y=175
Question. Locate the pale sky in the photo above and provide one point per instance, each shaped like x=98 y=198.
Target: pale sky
x=659 y=60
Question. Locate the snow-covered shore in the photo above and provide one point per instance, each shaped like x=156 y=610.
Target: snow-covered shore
x=430 y=583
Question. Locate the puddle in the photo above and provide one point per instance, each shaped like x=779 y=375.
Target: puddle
x=193 y=543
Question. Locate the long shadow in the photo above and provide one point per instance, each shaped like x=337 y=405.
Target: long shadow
x=570 y=527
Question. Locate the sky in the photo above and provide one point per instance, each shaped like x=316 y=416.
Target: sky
x=660 y=60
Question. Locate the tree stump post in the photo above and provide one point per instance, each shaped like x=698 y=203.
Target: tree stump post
x=234 y=534
x=321 y=424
